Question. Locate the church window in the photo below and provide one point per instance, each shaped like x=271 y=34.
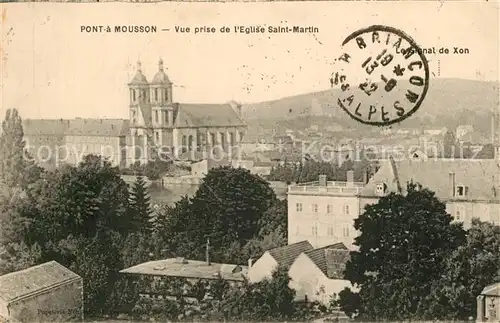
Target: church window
x=133 y=95
x=156 y=94
x=190 y=143
x=157 y=137
x=166 y=95
x=241 y=135
x=144 y=95
x=166 y=116
x=156 y=116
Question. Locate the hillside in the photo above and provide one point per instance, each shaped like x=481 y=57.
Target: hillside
x=449 y=102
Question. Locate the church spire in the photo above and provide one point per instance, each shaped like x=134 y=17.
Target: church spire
x=139 y=69
x=160 y=65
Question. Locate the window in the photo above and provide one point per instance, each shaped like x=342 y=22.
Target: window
x=156 y=94
x=460 y=213
x=315 y=230
x=461 y=191
x=166 y=117
x=144 y=96
x=346 y=209
x=330 y=230
x=299 y=207
x=329 y=208
x=156 y=116
x=157 y=137
x=133 y=95
x=166 y=95
x=314 y=208
x=345 y=231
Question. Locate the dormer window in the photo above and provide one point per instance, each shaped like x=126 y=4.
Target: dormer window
x=461 y=191
x=380 y=188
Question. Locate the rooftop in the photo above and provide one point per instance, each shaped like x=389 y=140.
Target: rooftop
x=330 y=259
x=331 y=188
x=24 y=283
x=180 y=267
x=480 y=176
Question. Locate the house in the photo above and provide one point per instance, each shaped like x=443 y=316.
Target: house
x=274 y=258
x=42 y=293
x=317 y=275
x=488 y=304
x=470 y=188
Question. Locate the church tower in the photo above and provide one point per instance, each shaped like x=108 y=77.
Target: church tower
x=162 y=107
x=140 y=115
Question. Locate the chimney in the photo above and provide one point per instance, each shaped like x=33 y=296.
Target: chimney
x=322 y=180
x=350 y=176
x=452 y=183
x=207 y=252
x=250 y=262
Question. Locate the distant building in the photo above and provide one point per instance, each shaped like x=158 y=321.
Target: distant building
x=470 y=188
x=45 y=293
x=157 y=125
x=317 y=275
x=278 y=257
x=323 y=212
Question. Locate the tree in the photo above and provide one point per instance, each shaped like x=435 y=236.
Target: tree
x=226 y=208
x=12 y=159
x=140 y=207
x=469 y=268
x=17 y=168
x=267 y=300
x=77 y=213
x=404 y=242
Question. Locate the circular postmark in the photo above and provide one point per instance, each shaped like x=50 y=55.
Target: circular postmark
x=382 y=74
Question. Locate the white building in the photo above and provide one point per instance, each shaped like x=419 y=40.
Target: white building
x=323 y=212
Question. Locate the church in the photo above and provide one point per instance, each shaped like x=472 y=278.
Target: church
x=157 y=127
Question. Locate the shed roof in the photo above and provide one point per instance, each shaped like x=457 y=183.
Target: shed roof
x=180 y=267
x=24 y=283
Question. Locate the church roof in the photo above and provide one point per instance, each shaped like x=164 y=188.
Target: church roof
x=139 y=78
x=160 y=78
x=207 y=115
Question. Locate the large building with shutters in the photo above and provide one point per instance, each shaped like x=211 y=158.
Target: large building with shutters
x=156 y=125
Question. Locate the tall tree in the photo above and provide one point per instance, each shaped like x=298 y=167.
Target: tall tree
x=140 y=206
x=403 y=247
x=12 y=159
x=17 y=168
x=79 y=216
x=227 y=208
x=470 y=268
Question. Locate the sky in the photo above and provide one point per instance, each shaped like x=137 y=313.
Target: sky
x=50 y=69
